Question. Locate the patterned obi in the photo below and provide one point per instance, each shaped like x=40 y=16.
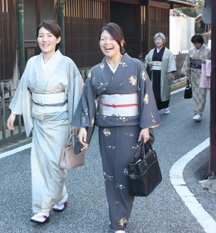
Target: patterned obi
x=50 y=102
x=118 y=105
x=195 y=64
x=156 y=65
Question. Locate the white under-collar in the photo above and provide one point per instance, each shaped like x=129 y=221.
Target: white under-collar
x=43 y=63
x=199 y=49
x=113 y=70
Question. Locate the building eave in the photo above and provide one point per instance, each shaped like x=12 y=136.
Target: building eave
x=181 y=3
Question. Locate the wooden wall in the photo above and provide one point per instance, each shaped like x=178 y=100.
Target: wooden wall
x=83 y=21
x=157 y=21
x=7 y=38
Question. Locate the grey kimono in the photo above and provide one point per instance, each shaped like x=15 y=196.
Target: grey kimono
x=47 y=97
x=192 y=69
x=126 y=104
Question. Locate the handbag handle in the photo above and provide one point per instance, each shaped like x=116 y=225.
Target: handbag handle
x=72 y=136
x=142 y=146
x=188 y=83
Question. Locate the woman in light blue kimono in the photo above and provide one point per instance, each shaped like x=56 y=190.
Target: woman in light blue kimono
x=47 y=96
x=126 y=112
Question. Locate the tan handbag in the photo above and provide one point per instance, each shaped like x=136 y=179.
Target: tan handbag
x=68 y=159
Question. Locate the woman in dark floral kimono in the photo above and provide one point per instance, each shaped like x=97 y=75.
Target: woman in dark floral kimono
x=126 y=112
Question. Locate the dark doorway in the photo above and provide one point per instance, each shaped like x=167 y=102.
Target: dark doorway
x=125 y=15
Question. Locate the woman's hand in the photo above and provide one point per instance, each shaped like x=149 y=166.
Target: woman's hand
x=150 y=64
x=10 y=121
x=82 y=136
x=203 y=60
x=144 y=134
x=170 y=75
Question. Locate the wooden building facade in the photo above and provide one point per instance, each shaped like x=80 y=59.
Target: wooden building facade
x=82 y=21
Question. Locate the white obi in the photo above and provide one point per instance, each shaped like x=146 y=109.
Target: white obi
x=156 y=65
x=118 y=105
x=49 y=103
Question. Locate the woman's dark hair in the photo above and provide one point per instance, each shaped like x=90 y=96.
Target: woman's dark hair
x=197 y=39
x=116 y=32
x=52 y=27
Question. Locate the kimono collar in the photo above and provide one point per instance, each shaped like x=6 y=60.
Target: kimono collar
x=113 y=70
x=125 y=59
x=198 y=50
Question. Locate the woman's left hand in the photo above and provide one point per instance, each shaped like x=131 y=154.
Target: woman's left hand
x=170 y=75
x=144 y=134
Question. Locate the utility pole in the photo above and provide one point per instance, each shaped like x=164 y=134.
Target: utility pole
x=213 y=94
x=20 y=4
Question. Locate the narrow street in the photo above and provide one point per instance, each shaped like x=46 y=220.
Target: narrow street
x=164 y=211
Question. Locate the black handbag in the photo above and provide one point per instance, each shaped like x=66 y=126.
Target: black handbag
x=144 y=172
x=188 y=91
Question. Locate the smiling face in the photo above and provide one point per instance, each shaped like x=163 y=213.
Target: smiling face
x=47 y=41
x=159 y=42
x=109 y=46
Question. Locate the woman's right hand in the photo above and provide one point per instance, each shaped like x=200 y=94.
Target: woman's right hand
x=150 y=64
x=10 y=121
x=82 y=136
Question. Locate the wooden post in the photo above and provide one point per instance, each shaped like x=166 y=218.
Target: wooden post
x=62 y=25
x=21 y=36
x=3 y=111
x=213 y=95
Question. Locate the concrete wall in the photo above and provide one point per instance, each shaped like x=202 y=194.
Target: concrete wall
x=181 y=31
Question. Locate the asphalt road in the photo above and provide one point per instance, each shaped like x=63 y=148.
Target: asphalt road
x=162 y=212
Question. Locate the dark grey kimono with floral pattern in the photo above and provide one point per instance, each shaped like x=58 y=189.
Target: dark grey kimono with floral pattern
x=118 y=135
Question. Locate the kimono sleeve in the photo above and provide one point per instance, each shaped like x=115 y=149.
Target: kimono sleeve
x=185 y=70
x=172 y=64
x=85 y=113
x=148 y=59
x=149 y=117
x=74 y=90
x=22 y=102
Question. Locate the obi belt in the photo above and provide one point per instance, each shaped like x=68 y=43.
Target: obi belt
x=119 y=105
x=156 y=65
x=49 y=103
x=196 y=64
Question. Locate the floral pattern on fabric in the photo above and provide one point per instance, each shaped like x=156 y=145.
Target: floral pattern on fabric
x=111 y=147
x=126 y=172
x=102 y=65
x=106 y=132
x=146 y=99
x=107 y=177
x=133 y=80
x=123 y=64
x=89 y=74
x=84 y=115
x=92 y=122
x=123 y=119
x=130 y=134
x=120 y=186
x=143 y=75
x=103 y=85
x=123 y=222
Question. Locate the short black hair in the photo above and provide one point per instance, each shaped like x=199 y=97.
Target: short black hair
x=197 y=39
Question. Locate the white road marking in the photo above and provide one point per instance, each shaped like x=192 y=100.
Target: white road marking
x=178 y=90
x=18 y=149
x=177 y=180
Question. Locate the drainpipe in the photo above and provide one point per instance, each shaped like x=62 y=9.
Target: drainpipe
x=20 y=12
x=62 y=24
